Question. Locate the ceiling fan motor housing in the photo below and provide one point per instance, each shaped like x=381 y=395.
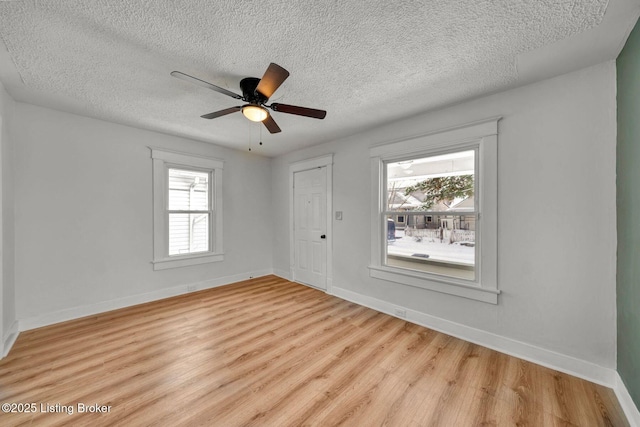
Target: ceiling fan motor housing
x=249 y=94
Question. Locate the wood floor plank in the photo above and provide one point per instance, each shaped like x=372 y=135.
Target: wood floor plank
x=269 y=352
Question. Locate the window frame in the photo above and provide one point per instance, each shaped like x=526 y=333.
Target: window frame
x=163 y=160
x=481 y=136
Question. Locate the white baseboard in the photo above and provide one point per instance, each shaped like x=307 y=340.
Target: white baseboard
x=282 y=273
x=10 y=338
x=550 y=359
x=100 y=307
x=288 y=275
x=628 y=406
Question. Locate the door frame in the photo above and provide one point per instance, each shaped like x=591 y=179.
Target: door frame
x=300 y=166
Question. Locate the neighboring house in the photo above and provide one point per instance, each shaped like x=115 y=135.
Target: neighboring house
x=400 y=202
x=462 y=222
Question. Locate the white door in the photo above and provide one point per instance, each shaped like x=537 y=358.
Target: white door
x=310 y=226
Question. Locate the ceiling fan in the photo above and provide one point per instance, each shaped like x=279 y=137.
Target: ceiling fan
x=256 y=92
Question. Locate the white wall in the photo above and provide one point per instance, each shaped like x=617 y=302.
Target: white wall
x=8 y=326
x=556 y=209
x=83 y=226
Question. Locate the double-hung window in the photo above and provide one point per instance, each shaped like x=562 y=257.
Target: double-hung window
x=434 y=211
x=187 y=209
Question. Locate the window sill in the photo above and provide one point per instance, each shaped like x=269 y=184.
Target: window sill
x=187 y=260
x=435 y=283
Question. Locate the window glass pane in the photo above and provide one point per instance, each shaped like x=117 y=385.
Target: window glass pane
x=442 y=240
x=188 y=190
x=439 y=244
x=188 y=233
x=435 y=183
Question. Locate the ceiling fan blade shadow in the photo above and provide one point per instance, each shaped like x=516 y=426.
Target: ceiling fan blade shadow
x=271 y=124
x=197 y=81
x=221 y=113
x=300 y=111
x=272 y=79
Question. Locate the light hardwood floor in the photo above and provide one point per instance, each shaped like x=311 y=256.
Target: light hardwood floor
x=269 y=352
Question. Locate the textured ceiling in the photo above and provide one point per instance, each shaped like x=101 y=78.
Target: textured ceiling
x=365 y=62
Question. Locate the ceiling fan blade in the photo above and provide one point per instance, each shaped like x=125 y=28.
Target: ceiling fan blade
x=272 y=79
x=221 y=113
x=300 y=111
x=202 y=83
x=271 y=125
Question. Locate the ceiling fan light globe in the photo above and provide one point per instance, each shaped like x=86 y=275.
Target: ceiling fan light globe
x=255 y=113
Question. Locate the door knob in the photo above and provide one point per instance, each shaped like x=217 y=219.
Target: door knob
x=324 y=236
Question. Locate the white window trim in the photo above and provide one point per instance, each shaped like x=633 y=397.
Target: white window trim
x=484 y=136
x=162 y=160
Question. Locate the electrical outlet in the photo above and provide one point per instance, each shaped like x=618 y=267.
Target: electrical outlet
x=400 y=312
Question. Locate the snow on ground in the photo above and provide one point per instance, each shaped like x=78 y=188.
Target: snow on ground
x=407 y=246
